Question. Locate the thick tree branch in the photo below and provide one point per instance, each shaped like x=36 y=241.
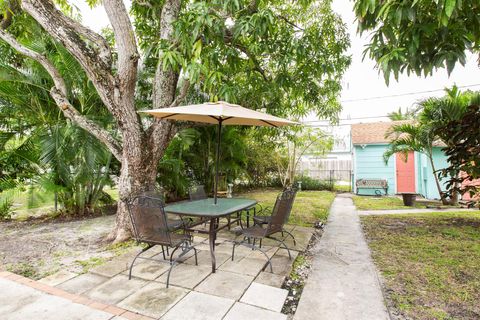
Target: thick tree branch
x=182 y=93
x=56 y=76
x=165 y=81
x=100 y=133
x=69 y=32
x=59 y=94
x=126 y=45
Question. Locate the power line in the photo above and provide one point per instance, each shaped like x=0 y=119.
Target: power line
x=407 y=94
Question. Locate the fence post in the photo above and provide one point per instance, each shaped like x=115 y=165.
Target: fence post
x=331 y=179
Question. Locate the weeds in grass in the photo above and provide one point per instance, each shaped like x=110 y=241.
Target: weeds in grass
x=90 y=263
x=121 y=247
x=24 y=269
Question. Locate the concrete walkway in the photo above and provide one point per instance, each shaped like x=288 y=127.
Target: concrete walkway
x=413 y=210
x=343 y=283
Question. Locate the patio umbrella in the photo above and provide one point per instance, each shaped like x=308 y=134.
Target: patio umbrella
x=220 y=113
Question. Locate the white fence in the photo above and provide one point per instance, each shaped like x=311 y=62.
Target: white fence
x=326 y=169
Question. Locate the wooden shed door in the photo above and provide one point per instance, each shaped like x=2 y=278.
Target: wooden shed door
x=405 y=172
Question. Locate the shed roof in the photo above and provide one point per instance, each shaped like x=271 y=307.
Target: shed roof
x=375 y=132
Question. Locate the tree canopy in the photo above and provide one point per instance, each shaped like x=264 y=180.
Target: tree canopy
x=419 y=35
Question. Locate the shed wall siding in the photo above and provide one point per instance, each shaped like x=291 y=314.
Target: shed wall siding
x=369 y=164
x=425 y=179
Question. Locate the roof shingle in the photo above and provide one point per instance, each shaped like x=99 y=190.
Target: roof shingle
x=369 y=133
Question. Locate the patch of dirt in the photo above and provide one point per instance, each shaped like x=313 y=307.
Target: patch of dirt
x=295 y=282
x=37 y=248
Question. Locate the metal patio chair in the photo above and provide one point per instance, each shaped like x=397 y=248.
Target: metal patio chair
x=173 y=224
x=197 y=192
x=263 y=219
x=151 y=226
x=281 y=211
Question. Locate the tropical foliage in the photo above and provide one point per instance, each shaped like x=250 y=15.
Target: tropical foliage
x=419 y=137
x=408 y=114
x=455 y=119
x=37 y=144
x=450 y=122
x=419 y=36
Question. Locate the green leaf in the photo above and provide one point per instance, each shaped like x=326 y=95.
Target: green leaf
x=449 y=7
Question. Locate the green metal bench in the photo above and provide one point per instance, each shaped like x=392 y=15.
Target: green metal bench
x=372 y=184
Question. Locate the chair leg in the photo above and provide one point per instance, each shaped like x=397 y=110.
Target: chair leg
x=291 y=235
x=138 y=254
x=260 y=243
x=233 y=250
x=284 y=245
x=163 y=253
x=195 y=252
x=167 y=252
x=174 y=262
x=171 y=256
x=253 y=248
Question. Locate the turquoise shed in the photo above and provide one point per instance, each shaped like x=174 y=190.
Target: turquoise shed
x=403 y=174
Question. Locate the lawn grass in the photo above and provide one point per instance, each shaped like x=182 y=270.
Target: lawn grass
x=430 y=262
x=34 y=202
x=381 y=203
x=309 y=206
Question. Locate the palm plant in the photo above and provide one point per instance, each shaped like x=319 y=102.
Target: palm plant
x=418 y=137
x=59 y=156
x=190 y=158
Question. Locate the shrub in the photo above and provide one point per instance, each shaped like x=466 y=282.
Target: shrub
x=6 y=208
x=309 y=183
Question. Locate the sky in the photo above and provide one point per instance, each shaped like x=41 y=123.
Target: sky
x=362 y=81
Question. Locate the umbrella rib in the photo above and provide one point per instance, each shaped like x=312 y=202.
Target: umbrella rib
x=170 y=115
x=220 y=119
x=269 y=123
x=216 y=118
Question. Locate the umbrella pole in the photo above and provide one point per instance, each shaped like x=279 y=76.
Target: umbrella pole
x=219 y=139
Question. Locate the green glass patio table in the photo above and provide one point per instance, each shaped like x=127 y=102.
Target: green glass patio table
x=208 y=210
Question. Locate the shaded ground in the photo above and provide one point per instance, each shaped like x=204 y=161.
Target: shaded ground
x=430 y=263
x=35 y=249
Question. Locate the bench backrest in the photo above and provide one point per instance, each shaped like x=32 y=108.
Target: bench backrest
x=371 y=183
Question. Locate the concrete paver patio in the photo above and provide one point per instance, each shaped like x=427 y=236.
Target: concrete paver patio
x=235 y=291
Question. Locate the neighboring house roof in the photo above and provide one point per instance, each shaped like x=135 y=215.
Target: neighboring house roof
x=375 y=132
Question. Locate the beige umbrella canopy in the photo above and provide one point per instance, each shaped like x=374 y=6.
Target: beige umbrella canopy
x=215 y=112
x=220 y=113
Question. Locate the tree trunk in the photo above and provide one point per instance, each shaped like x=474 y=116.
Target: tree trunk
x=439 y=188
x=138 y=174
x=129 y=183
